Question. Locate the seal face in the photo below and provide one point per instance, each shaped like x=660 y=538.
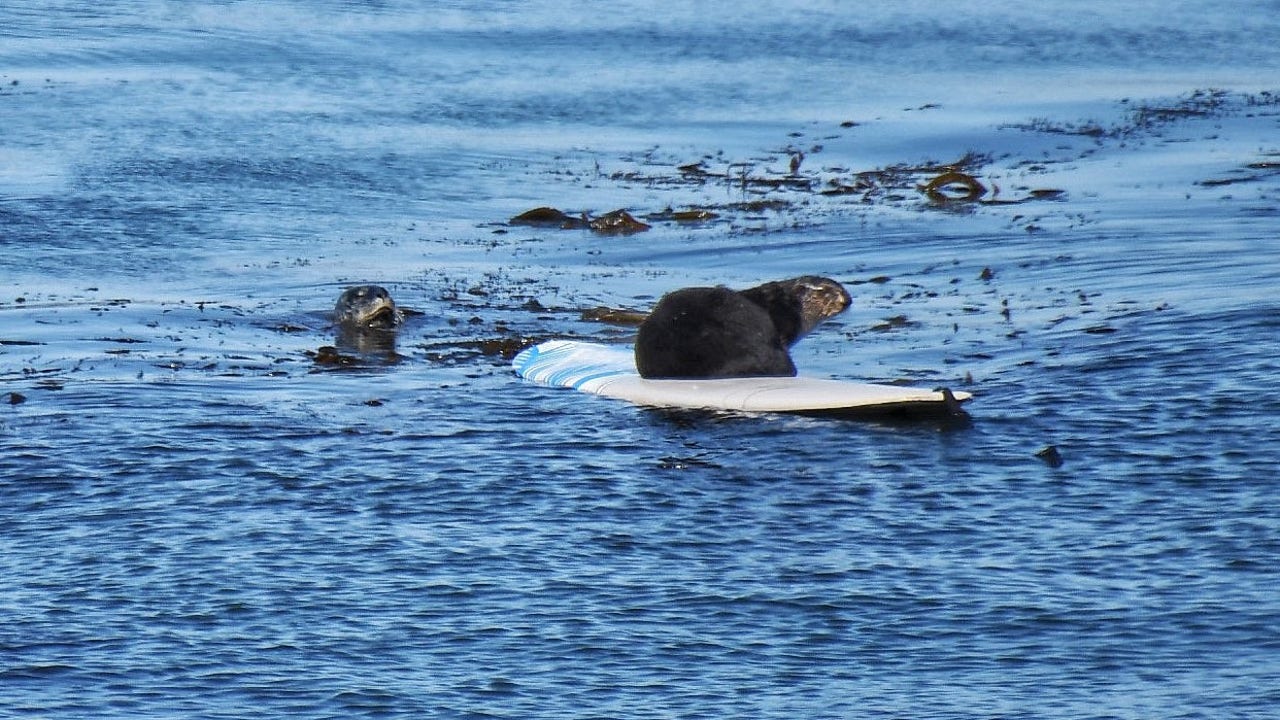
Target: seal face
x=715 y=332
x=367 y=319
x=367 y=307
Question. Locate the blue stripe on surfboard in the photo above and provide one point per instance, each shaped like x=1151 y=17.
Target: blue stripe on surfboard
x=580 y=382
x=570 y=364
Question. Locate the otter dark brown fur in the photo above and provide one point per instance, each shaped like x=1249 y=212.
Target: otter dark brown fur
x=715 y=332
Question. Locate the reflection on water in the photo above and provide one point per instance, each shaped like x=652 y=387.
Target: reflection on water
x=367 y=341
x=202 y=519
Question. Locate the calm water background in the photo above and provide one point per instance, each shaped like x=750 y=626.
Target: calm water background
x=199 y=522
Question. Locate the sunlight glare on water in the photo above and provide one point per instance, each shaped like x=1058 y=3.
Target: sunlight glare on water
x=205 y=517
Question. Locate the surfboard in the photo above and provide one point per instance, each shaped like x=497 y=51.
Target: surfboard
x=610 y=371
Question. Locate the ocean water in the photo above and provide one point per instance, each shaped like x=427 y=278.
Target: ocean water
x=202 y=521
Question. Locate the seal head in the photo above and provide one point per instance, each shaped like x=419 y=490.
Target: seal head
x=367 y=307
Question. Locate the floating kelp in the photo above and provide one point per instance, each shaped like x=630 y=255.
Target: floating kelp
x=745 y=176
x=897 y=322
x=618 y=222
x=789 y=185
x=549 y=217
x=1050 y=456
x=623 y=222
x=1252 y=172
x=954 y=186
x=1198 y=103
x=614 y=316
x=877 y=280
x=456 y=352
x=329 y=355
x=759 y=206
x=1148 y=116
x=1046 y=194
x=698 y=169
x=889 y=182
x=692 y=215
x=503 y=347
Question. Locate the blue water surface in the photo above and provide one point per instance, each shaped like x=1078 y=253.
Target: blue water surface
x=201 y=521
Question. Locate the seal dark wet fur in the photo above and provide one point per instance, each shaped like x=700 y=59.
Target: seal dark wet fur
x=715 y=332
x=367 y=306
x=367 y=319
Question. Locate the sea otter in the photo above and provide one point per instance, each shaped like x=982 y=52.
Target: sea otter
x=715 y=332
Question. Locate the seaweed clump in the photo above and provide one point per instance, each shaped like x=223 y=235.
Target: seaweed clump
x=616 y=222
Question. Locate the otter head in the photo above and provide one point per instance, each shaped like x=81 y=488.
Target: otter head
x=797 y=305
x=820 y=298
x=367 y=306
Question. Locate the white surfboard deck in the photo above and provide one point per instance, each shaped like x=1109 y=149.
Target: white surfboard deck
x=610 y=370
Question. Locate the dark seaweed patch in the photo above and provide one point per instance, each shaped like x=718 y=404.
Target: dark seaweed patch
x=616 y=222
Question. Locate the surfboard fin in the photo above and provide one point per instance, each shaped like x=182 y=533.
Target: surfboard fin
x=952 y=404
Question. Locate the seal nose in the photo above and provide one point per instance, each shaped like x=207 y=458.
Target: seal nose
x=383 y=317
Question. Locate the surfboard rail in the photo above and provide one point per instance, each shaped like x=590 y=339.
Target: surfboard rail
x=609 y=371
